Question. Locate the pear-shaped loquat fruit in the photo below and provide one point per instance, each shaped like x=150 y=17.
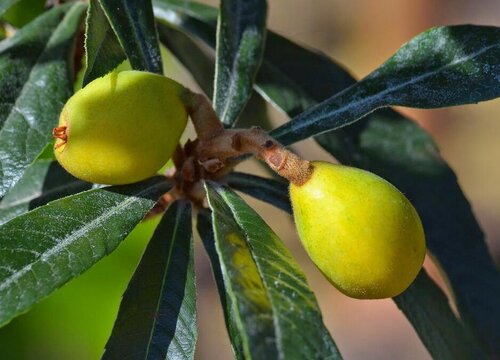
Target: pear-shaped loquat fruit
x=360 y=231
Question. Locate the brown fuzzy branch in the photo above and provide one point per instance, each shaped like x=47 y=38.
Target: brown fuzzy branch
x=217 y=148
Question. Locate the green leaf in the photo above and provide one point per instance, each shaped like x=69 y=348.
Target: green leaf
x=42 y=182
x=20 y=13
x=240 y=44
x=205 y=229
x=103 y=51
x=45 y=248
x=444 y=66
x=427 y=308
x=255 y=114
x=34 y=85
x=6 y=4
x=199 y=64
x=272 y=191
x=133 y=23
x=47 y=154
x=292 y=77
x=157 y=316
x=178 y=11
x=275 y=311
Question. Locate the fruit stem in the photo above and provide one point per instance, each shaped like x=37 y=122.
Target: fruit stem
x=218 y=147
x=206 y=122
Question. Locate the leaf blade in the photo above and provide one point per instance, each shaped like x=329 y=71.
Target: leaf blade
x=6 y=4
x=157 y=316
x=197 y=62
x=459 y=65
x=171 y=9
x=426 y=306
x=40 y=91
x=103 y=51
x=133 y=23
x=43 y=181
x=272 y=191
x=67 y=236
x=272 y=284
x=240 y=44
x=205 y=229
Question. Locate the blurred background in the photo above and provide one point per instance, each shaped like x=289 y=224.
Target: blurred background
x=75 y=321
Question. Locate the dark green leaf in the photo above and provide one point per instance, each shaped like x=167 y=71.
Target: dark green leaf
x=275 y=311
x=427 y=308
x=47 y=153
x=34 y=84
x=133 y=23
x=6 y=4
x=178 y=11
x=285 y=76
x=444 y=66
x=45 y=248
x=289 y=83
x=103 y=51
x=20 y=13
x=269 y=190
x=240 y=44
x=197 y=62
x=200 y=19
x=205 y=229
x=42 y=182
x=157 y=316
x=255 y=114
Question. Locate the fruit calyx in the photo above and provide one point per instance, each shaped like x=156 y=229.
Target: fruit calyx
x=60 y=133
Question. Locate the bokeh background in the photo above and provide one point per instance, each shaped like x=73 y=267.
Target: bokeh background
x=75 y=321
